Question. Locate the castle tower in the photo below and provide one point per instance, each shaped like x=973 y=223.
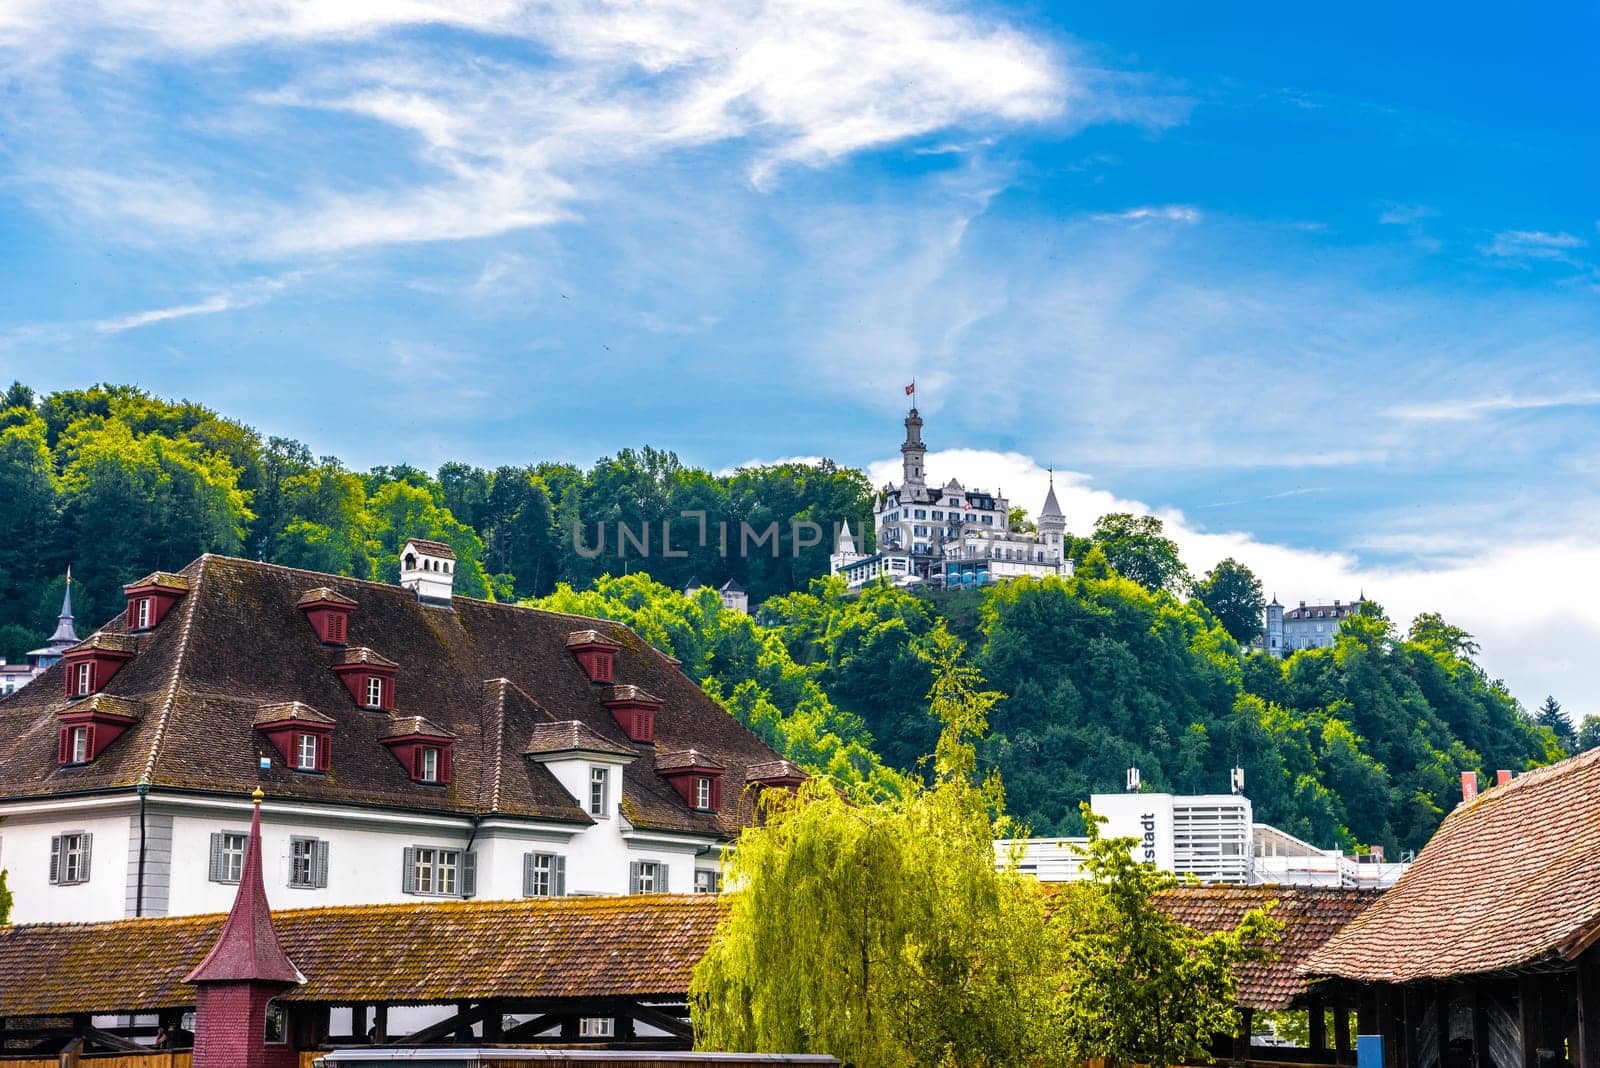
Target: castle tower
x=1275 y=627
x=1052 y=523
x=237 y=1024
x=912 y=453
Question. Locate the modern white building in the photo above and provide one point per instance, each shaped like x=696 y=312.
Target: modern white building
x=412 y=745
x=1211 y=837
x=948 y=536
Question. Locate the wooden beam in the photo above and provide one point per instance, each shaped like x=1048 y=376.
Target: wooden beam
x=1316 y=1010
x=1481 y=1057
x=529 y=1029
x=1241 y=1039
x=1341 y=1029
x=1587 y=1048
x=1389 y=1027
x=672 y=1025
x=111 y=1041
x=435 y=1031
x=1529 y=1022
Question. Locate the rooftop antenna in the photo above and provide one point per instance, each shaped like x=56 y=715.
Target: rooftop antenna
x=1133 y=780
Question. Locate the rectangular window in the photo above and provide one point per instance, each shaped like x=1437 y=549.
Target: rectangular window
x=599 y=788
x=227 y=856
x=597 y=1027
x=305 y=752
x=702 y=793
x=647 y=877
x=428 y=764
x=85 y=676
x=335 y=627
x=69 y=858
x=544 y=875
x=374 y=691
x=144 y=613
x=308 y=863
x=80 y=745
x=707 y=881
x=436 y=872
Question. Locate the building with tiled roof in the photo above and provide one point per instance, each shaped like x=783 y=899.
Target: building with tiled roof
x=1494 y=931
x=411 y=746
x=1310 y=626
x=14 y=677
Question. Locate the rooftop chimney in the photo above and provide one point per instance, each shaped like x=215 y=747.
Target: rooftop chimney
x=1469 y=786
x=1502 y=777
x=428 y=569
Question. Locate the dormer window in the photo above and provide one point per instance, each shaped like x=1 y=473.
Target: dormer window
x=91 y=663
x=635 y=710
x=369 y=676
x=696 y=777
x=83 y=679
x=594 y=652
x=300 y=733
x=79 y=745
x=328 y=612
x=422 y=748
x=152 y=597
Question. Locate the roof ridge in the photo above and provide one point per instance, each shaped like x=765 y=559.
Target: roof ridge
x=190 y=607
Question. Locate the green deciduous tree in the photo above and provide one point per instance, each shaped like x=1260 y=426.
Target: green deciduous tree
x=1137 y=548
x=1233 y=594
x=1143 y=988
x=1589 y=734
x=878 y=930
x=5 y=899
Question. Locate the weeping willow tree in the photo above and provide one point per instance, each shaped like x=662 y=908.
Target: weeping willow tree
x=877 y=929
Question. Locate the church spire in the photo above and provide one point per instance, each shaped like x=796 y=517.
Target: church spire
x=65 y=635
x=248 y=950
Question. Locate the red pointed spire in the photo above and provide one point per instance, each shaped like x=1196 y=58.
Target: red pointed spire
x=248 y=948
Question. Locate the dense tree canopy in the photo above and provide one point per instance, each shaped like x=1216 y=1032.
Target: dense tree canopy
x=1136 y=547
x=1233 y=594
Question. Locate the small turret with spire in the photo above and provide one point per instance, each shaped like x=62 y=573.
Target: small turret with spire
x=1052 y=523
x=66 y=636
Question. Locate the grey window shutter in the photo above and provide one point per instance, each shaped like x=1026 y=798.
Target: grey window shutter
x=469 y=873
x=55 y=860
x=633 y=877
x=661 y=879
x=83 y=869
x=527 y=874
x=319 y=862
x=217 y=874
x=560 y=887
x=408 y=874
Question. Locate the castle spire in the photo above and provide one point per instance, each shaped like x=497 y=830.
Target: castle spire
x=912 y=452
x=66 y=635
x=1052 y=507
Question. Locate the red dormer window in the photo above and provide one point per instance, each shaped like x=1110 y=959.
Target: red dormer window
x=422 y=748
x=635 y=712
x=89 y=728
x=696 y=777
x=370 y=678
x=328 y=612
x=152 y=597
x=301 y=734
x=91 y=664
x=596 y=654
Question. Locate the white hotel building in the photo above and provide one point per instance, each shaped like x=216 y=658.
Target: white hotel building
x=411 y=744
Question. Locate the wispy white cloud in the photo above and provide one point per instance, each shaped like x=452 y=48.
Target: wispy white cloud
x=1533 y=245
x=1478 y=408
x=502 y=145
x=1178 y=213
x=1405 y=214
x=242 y=296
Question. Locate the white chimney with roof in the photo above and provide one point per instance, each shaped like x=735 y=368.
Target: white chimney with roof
x=428 y=569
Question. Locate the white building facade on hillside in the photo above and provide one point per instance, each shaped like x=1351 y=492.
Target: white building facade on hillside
x=484 y=751
x=1212 y=837
x=948 y=536
x=1310 y=626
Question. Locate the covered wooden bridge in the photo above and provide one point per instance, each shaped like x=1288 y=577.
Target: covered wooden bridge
x=1484 y=955
x=506 y=971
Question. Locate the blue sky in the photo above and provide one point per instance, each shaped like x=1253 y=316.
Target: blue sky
x=1322 y=287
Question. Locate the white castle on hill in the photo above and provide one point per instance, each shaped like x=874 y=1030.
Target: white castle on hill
x=949 y=536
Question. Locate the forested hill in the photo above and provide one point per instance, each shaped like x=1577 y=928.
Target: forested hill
x=116 y=483
x=1131 y=663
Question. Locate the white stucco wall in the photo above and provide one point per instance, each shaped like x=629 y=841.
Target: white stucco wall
x=25 y=856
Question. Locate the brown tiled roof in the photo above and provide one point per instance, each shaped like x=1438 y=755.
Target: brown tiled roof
x=324 y=594
x=1310 y=916
x=433 y=548
x=684 y=758
x=782 y=768
x=1509 y=880
x=362 y=655
x=488 y=673
x=110 y=641
x=401 y=726
x=104 y=702
x=589 y=637
x=165 y=580
x=572 y=736
x=626 y=692
x=282 y=711
x=634 y=947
